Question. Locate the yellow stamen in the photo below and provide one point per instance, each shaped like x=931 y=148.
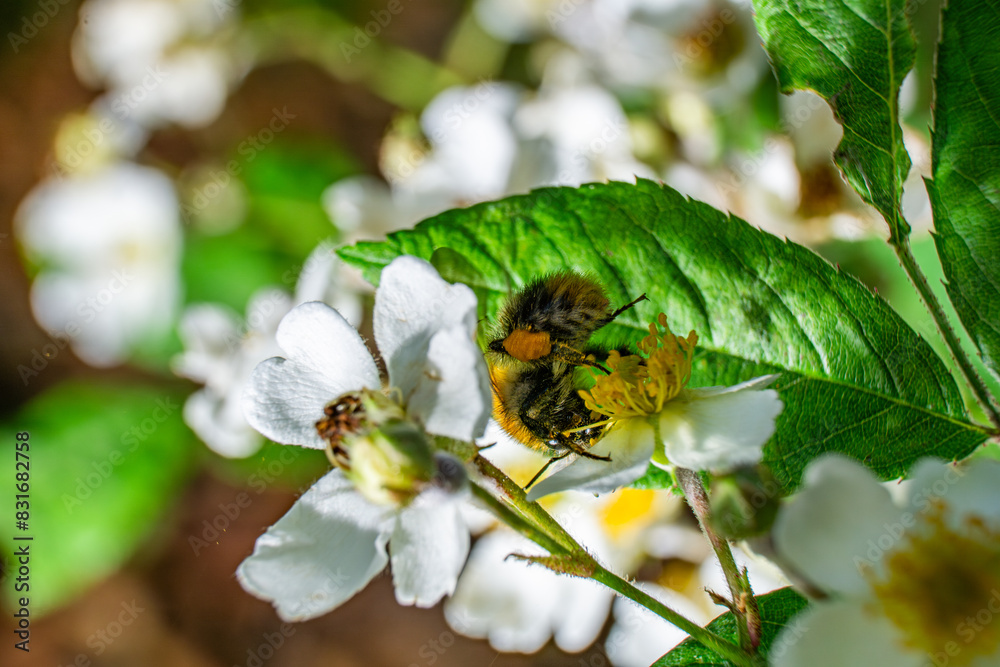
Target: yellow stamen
x=941 y=587
x=641 y=384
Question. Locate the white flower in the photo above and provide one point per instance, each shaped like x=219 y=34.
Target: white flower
x=573 y=133
x=333 y=541
x=792 y=188
x=221 y=350
x=109 y=242
x=654 y=417
x=472 y=152
x=486 y=142
x=905 y=581
x=156 y=58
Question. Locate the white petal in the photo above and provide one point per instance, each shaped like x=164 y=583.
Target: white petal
x=475 y=155
x=429 y=546
x=972 y=489
x=362 y=203
x=504 y=599
x=841 y=520
x=208 y=332
x=319 y=337
x=590 y=602
x=720 y=428
x=265 y=310
x=412 y=304
x=284 y=398
x=328 y=546
x=835 y=634
x=629 y=444
x=324 y=277
x=223 y=429
x=453 y=397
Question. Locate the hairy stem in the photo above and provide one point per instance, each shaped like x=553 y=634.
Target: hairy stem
x=697 y=498
x=515 y=520
x=726 y=649
x=916 y=276
x=534 y=512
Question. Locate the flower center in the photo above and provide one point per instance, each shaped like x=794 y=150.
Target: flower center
x=387 y=457
x=942 y=588
x=640 y=385
x=342 y=417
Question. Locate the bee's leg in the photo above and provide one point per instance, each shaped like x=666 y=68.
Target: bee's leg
x=575 y=357
x=584 y=361
x=571 y=450
x=546 y=467
x=587 y=455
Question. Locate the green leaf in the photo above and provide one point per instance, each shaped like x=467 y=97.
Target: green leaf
x=965 y=190
x=655 y=478
x=106 y=462
x=855 y=378
x=855 y=54
x=776 y=609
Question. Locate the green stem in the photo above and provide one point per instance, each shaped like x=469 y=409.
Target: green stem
x=514 y=504
x=717 y=644
x=697 y=498
x=516 y=496
x=515 y=520
x=916 y=276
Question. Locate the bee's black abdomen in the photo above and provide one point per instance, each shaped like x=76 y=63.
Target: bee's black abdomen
x=550 y=406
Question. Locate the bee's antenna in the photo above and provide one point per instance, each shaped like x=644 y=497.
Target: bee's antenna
x=627 y=306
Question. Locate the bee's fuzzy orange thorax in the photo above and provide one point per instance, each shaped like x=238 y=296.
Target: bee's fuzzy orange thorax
x=526 y=345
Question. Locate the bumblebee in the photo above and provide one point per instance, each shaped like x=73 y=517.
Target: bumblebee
x=541 y=336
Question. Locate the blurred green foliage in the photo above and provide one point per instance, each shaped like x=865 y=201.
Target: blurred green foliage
x=284 y=222
x=107 y=462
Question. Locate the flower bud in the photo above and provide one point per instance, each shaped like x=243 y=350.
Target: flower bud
x=744 y=502
x=390 y=464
